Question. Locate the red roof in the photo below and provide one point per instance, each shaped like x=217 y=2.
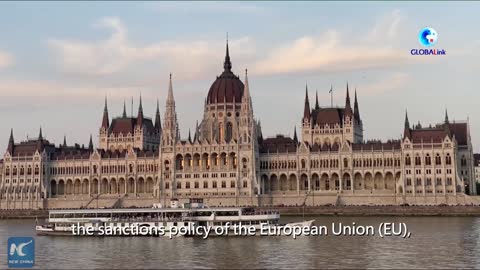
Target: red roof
x=460 y=131
x=330 y=116
x=127 y=125
x=280 y=144
x=225 y=89
x=376 y=146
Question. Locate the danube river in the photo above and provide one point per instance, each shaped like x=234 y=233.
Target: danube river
x=436 y=242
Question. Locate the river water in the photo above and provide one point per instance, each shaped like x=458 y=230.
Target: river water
x=435 y=242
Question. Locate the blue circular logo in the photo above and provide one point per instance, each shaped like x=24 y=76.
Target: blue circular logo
x=428 y=37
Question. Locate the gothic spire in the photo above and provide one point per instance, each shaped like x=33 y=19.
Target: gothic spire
x=105 y=123
x=170 y=90
x=158 y=121
x=227 y=65
x=140 y=113
x=447 y=123
x=306 y=109
x=406 y=129
x=189 y=136
x=11 y=142
x=65 y=141
x=295 y=139
x=170 y=130
x=355 y=107
x=317 y=106
x=348 y=107
x=124 y=114
x=40 y=141
x=90 y=143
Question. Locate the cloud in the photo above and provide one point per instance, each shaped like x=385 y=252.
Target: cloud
x=118 y=54
x=54 y=91
x=338 y=51
x=6 y=59
x=393 y=81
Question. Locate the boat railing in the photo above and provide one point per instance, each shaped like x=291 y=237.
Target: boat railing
x=148 y=219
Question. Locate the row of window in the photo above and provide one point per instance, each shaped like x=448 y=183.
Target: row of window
x=428 y=160
x=428 y=181
x=14 y=181
x=427 y=171
x=205 y=184
x=105 y=169
x=21 y=171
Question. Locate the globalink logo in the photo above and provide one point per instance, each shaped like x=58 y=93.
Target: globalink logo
x=428 y=37
x=21 y=252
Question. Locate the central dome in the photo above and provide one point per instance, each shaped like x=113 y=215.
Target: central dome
x=227 y=87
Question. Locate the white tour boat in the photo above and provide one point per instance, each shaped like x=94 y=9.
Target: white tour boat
x=147 y=221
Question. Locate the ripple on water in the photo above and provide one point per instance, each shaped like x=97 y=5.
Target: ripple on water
x=436 y=242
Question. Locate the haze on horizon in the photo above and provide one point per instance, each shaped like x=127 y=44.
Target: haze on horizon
x=58 y=61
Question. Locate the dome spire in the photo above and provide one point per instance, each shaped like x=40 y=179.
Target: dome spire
x=227 y=65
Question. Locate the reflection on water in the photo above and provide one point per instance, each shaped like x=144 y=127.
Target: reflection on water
x=436 y=242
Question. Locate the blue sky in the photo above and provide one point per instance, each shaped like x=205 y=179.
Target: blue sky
x=58 y=61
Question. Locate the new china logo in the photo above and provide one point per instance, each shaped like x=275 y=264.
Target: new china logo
x=428 y=37
x=21 y=252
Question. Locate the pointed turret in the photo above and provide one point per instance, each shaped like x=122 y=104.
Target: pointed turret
x=170 y=131
x=11 y=142
x=317 y=106
x=140 y=113
x=105 y=122
x=90 y=143
x=355 y=108
x=295 y=138
x=348 y=107
x=40 y=141
x=170 y=90
x=306 y=109
x=64 y=141
x=406 y=128
x=158 y=121
x=246 y=94
x=227 y=64
x=124 y=114
x=447 y=124
x=189 y=136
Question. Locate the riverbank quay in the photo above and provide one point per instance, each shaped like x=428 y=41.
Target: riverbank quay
x=386 y=210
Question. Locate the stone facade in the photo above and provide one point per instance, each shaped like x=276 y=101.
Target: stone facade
x=229 y=162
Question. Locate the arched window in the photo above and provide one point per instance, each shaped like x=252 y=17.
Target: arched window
x=438 y=160
x=303 y=164
x=448 y=159
x=428 y=160
x=418 y=161
x=408 y=160
x=345 y=163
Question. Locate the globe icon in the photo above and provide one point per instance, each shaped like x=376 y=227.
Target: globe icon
x=428 y=37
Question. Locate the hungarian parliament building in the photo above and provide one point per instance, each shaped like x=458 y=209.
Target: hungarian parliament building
x=227 y=160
